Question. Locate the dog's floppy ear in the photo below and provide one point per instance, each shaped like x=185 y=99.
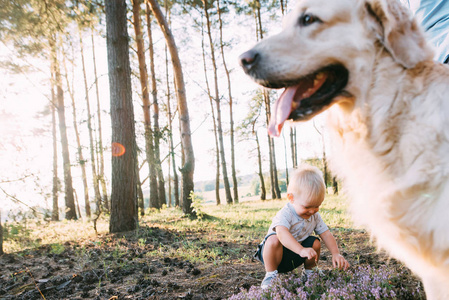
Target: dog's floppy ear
x=398 y=31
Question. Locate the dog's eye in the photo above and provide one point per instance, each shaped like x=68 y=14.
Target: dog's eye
x=306 y=20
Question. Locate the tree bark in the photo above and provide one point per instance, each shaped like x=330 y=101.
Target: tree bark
x=270 y=141
x=101 y=176
x=263 y=193
x=68 y=186
x=275 y=192
x=149 y=141
x=231 y=117
x=335 y=185
x=156 y=131
x=55 y=189
x=218 y=104
x=124 y=159
x=217 y=149
x=285 y=157
x=95 y=180
x=170 y=128
x=140 y=198
x=275 y=172
x=188 y=167
x=293 y=147
x=81 y=159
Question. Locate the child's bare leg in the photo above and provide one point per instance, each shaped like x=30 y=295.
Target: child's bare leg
x=272 y=253
x=311 y=263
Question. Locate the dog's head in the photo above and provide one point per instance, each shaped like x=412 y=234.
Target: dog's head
x=324 y=49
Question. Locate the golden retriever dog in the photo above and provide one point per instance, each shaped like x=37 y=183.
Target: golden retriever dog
x=367 y=61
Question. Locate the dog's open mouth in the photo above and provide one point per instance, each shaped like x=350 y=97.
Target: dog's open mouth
x=307 y=96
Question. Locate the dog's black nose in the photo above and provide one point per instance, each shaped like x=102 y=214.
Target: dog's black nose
x=249 y=60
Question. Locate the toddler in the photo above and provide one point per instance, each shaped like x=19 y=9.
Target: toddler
x=289 y=242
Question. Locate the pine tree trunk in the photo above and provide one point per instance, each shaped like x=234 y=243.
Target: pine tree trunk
x=275 y=172
x=156 y=130
x=124 y=159
x=293 y=147
x=217 y=149
x=270 y=141
x=169 y=200
x=170 y=135
x=231 y=117
x=285 y=157
x=77 y=204
x=68 y=186
x=149 y=137
x=217 y=102
x=140 y=199
x=275 y=192
x=90 y=129
x=55 y=208
x=81 y=159
x=263 y=193
x=188 y=167
x=335 y=185
x=101 y=176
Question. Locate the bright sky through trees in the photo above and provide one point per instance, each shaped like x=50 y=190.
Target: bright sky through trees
x=25 y=120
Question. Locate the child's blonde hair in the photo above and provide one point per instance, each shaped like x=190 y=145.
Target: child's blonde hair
x=307 y=182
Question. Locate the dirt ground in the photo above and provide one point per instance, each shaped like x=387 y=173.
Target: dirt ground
x=97 y=270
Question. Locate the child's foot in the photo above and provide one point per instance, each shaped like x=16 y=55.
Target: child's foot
x=306 y=273
x=269 y=276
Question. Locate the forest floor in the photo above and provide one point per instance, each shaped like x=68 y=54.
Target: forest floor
x=205 y=259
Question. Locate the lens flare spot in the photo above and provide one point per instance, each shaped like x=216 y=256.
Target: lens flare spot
x=118 y=149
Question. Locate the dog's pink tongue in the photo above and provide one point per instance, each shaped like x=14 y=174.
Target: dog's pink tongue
x=290 y=100
x=281 y=110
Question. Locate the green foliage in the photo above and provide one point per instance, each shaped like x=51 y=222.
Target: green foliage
x=197 y=205
x=56 y=248
x=17 y=235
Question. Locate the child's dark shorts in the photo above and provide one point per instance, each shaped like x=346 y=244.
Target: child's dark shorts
x=290 y=260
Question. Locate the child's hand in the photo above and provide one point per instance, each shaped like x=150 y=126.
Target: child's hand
x=308 y=252
x=338 y=261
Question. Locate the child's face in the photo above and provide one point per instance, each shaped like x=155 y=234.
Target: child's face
x=303 y=207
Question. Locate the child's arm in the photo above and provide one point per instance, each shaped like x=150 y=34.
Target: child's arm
x=288 y=241
x=337 y=259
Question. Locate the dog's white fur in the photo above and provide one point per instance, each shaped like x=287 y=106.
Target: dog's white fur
x=390 y=132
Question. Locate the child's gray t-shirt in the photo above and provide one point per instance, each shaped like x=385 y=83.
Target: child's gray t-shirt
x=300 y=228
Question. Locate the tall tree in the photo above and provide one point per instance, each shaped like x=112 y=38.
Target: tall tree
x=68 y=185
x=90 y=129
x=81 y=160
x=214 y=122
x=156 y=130
x=285 y=158
x=188 y=163
x=231 y=115
x=124 y=159
x=294 y=146
x=55 y=187
x=218 y=106
x=101 y=176
x=32 y=28
x=248 y=128
x=275 y=191
x=143 y=76
x=140 y=198
x=170 y=136
x=263 y=193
